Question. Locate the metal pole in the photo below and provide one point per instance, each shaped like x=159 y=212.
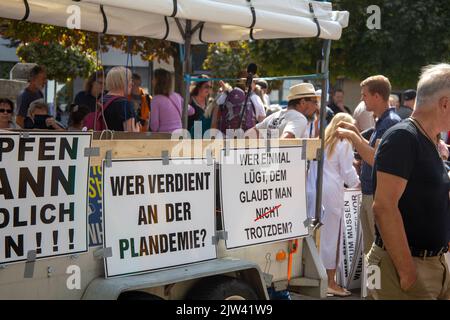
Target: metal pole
x=187 y=71
x=323 y=102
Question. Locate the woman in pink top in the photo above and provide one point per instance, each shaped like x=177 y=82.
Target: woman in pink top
x=167 y=106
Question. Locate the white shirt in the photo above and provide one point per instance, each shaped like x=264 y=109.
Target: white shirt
x=286 y=120
x=256 y=100
x=337 y=170
x=266 y=100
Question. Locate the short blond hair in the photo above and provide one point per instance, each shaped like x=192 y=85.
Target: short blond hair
x=433 y=80
x=37 y=105
x=118 y=79
x=378 y=84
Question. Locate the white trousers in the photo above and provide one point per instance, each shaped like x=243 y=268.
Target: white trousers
x=330 y=237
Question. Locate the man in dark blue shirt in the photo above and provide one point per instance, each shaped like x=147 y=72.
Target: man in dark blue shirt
x=375 y=93
x=36 y=84
x=411 y=203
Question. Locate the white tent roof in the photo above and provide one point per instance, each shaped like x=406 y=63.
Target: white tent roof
x=224 y=20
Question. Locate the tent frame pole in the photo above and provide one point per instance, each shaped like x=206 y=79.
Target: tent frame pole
x=324 y=69
x=187 y=69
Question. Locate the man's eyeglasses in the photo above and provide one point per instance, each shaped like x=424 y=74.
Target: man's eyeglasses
x=6 y=111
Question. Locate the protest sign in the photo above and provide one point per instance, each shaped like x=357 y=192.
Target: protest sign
x=263 y=195
x=95 y=225
x=157 y=216
x=43 y=194
x=351 y=261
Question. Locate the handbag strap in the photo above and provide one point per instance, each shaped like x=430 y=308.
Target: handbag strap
x=175 y=106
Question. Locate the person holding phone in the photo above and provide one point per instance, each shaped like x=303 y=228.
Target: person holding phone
x=38 y=117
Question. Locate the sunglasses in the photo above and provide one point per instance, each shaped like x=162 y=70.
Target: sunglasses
x=6 y=111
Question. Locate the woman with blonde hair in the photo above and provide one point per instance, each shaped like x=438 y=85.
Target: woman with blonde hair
x=118 y=112
x=338 y=170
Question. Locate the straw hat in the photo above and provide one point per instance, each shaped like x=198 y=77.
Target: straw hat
x=302 y=90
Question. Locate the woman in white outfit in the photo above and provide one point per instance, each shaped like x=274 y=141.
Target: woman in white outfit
x=338 y=169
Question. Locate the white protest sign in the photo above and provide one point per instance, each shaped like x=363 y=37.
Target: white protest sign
x=157 y=216
x=263 y=195
x=43 y=194
x=351 y=268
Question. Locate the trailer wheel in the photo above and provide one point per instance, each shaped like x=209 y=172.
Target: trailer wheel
x=222 y=288
x=138 y=295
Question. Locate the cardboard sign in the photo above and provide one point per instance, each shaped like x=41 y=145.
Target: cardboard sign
x=263 y=195
x=43 y=194
x=351 y=268
x=157 y=216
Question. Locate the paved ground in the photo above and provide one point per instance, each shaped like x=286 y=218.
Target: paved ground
x=356 y=295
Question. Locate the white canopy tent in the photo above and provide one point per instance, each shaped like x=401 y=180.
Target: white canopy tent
x=198 y=21
x=217 y=20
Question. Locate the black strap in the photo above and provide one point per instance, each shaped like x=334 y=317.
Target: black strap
x=311 y=9
x=27 y=10
x=166 y=20
x=175 y=9
x=105 y=20
x=252 y=9
x=200 y=34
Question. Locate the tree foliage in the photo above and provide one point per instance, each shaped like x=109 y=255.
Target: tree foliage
x=226 y=60
x=62 y=64
x=413 y=34
x=89 y=42
x=26 y=32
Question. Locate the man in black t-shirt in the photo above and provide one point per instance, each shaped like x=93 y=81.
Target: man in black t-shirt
x=411 y=204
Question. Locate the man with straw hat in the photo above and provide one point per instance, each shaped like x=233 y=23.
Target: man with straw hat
x=292 y=122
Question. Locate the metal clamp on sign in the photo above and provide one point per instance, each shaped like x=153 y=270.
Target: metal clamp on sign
x=29 y=265
x=268 y=147
x=209 y=157
x=92 y=152
x=227 y=147
x=108 y=159
x=222 y=234
x=304 y=148
x=103 y=253
x=165 y=157
x=24 y=134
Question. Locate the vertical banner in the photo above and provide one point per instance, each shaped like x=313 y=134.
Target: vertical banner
x=157 y=216
x=95 y=223
x=263 y=195
x=43 y=194
x=351 y=267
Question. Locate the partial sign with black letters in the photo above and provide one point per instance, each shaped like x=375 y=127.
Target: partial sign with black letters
x=43 y=194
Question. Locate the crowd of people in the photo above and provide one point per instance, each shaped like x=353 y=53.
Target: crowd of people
x=393 y=151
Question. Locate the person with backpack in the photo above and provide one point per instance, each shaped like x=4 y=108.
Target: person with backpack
x=291 y=122
x=231 y=102
x=116 y=112
x=167 y=105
